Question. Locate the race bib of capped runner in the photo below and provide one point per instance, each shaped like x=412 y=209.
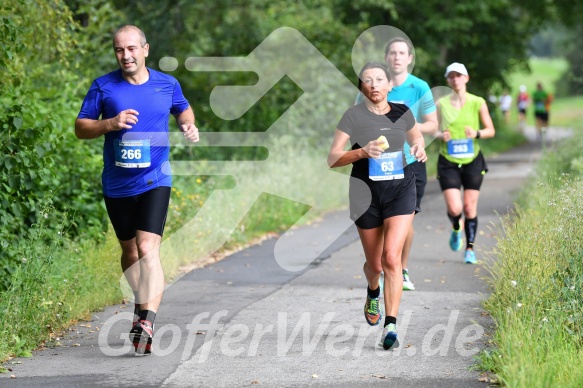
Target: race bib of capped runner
x=132 y=153
x=460 y=148
x=386 y=167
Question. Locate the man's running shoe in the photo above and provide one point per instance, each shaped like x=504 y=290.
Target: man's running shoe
x=141 y=336
x=373 y=310
x=389 y=338
x=455 y=240
x=407 y=283
x=470 y=257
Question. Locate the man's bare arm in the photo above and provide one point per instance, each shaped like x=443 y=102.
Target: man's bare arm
x=91 y=129
x=185 y=121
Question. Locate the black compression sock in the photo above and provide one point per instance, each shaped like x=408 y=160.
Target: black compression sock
x=389 y=319
x=147 y=315
x=455 y=220
x=471 y=226
x=373 y=293
x=136 y=305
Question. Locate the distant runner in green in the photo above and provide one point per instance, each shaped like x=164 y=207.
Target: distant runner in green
x=542 y=104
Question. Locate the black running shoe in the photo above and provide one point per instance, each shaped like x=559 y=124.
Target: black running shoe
x=141 y=336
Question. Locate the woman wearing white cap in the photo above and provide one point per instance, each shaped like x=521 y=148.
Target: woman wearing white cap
x=463 y=118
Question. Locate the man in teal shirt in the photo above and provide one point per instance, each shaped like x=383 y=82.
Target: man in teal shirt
x=415 y=93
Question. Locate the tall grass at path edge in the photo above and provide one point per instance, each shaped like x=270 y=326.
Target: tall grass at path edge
x=537 y=276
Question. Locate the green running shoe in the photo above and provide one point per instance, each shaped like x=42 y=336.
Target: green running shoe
x=389 y=338
x=373 y=310
x=455 y=240
x=407 y=283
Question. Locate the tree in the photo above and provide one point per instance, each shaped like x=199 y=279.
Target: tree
x=570 y=13
x=41 y=77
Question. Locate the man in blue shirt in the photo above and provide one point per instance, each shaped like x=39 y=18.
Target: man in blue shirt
x=136 y=174
x=415 y=93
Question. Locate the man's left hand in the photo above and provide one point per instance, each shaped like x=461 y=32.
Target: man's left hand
x=190 y=132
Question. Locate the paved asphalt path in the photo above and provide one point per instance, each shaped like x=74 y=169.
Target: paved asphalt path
x=278 y=328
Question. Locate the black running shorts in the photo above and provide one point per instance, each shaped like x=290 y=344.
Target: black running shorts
x=544 y=116
x=389 y=199
x=146 y=212
x=454 y=176
x=420 y=171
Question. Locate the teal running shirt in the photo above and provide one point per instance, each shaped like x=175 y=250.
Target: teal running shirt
x=414 y=93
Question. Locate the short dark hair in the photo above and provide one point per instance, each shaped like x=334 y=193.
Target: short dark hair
x=143 y=40
x=399 y=39
x=371 y=65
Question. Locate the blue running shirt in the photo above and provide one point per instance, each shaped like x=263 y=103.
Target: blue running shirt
x=135 y=160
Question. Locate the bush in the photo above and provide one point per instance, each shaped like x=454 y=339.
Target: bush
x=41 y=160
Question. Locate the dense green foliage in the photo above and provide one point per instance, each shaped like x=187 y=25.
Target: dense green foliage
x=49 y=193
x=572 y=83
x=491 y=38
x=562 y=41
x=42 y=162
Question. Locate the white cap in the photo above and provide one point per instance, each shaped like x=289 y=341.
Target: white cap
x=522 y=88
x=457 y=67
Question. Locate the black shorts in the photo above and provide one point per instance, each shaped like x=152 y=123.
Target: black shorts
x=544 y=116
x=522 y=110
x=420 y=171
x=146 y=212
x=389 y=199
x=454 y=176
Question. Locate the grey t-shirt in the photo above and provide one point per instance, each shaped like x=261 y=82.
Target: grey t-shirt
x=363 y=126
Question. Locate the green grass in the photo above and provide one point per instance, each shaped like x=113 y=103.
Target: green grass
x=568 y=112
x=57 y=283
x=537 y=279
x=537 y=299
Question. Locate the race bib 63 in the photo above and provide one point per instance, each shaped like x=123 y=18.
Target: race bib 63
x=386 y=167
